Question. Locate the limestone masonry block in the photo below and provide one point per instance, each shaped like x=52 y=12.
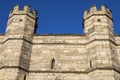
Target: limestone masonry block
x=94 y=55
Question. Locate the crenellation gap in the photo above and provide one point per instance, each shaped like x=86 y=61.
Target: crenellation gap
x=34 y=12
x=11 y=11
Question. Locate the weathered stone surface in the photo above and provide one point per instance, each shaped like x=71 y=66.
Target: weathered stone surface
x=93 y=55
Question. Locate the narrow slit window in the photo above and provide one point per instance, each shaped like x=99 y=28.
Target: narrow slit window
x=53 y=64
x=91 y=64
x=24 y=77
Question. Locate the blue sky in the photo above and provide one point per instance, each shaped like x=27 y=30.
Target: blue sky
x=60 y=16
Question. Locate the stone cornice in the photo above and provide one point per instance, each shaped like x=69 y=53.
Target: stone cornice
x=57 y=71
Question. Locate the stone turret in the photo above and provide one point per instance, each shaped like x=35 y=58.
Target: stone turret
x=21 y=23
x=98 y=23
x=94 y=11
x=18 y=42
x=98 y=27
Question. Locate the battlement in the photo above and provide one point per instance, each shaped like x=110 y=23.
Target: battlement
x=94 y=11
x=25 y=11
x=94 y=55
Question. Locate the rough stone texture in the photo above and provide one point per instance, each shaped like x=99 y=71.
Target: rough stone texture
x=57 y=76
x=93 y=55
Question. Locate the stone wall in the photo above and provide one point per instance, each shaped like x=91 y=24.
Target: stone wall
x=69 y=55
x=1 y=39
x=101 y=75
x=58 y=76
x=117 y=38
x=93 y=55
x=1 y=50
x=9 y=74
x=60 y=39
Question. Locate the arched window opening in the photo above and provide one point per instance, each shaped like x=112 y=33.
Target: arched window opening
x=53 y=64
x=24 y=77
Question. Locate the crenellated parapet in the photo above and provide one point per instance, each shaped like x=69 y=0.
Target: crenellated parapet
x=25 y=11
x=94 y=55
x=94 y=11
